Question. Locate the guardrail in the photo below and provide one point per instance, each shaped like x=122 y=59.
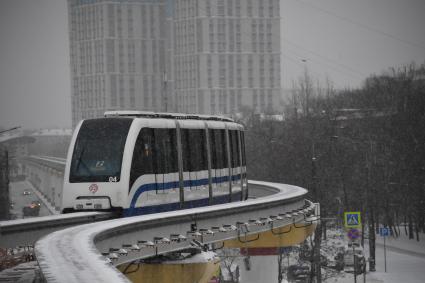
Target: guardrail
x=24 y=232
x=48 y=161
x=88 y=253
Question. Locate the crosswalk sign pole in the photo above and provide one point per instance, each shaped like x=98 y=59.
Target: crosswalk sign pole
x=385 y=254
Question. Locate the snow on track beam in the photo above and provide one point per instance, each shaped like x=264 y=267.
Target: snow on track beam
x=88 y=253
x=23 y=232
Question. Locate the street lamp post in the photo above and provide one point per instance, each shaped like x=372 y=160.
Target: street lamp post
x=4 y=180
x=318 y=233
x=371 y=217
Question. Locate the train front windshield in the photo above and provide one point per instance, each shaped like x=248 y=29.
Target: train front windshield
x=98 y=150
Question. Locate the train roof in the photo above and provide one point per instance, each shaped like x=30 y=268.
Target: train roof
x=180 y=116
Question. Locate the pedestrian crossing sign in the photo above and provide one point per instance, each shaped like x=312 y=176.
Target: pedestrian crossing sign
x=352 y=220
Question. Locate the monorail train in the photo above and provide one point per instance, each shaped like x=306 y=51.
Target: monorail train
x=141 y=162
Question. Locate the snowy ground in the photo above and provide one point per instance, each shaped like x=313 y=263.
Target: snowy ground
x=405 y=262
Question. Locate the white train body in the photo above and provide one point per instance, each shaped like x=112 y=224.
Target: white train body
x=140 y=163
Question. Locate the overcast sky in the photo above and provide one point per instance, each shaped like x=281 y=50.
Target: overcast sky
x=345 y=40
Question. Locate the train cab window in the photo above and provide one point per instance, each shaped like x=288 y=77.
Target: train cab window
x=143 y=155
x=155 y=152
x=218 y=148
x=98 y=150
x=194 y=149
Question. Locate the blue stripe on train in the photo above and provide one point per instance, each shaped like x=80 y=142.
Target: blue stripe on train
x=176 y=206
x=173 y=185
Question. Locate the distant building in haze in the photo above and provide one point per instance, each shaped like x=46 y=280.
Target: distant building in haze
x=227 y=55
x=195 y=56
x=117 y=56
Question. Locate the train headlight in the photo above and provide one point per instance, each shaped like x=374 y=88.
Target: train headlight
x=79 y=206
x=97 y=206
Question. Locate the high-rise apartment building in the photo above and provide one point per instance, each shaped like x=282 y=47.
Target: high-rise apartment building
x=227 y=55
x=118 y=50
x=195 y=56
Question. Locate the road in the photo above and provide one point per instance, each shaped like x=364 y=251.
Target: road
x=403 y=265
x=402 y=251
x=16 y=191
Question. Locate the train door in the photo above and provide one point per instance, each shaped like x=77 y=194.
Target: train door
x=195 y=166
x=219 y=167
x=166 y=167
x=245 y=191
x=235 y=161
x=154 y=170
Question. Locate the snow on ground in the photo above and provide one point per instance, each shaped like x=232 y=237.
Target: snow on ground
x=405 y=259
x=403 y=242
x=401 y=267
x=405 y=262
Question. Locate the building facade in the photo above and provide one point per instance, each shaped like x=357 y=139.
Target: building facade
x=117 y=51
x=195 y=56
x=227 y=55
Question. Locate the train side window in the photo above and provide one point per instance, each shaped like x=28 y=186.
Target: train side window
x=194 y=149
x=213 y=148
x=218 y=148
x=243 y=148
x=223 y=149
x=234 y=147
x=165 y=151
x=199 y=149
x=184 y=134
x=143 y=156
x=173 y=164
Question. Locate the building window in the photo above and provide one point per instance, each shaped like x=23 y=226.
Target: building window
x=271 y=8
x=130 y=21
x=229 y=7
x=249 y=7
x=220 y=7
x=122 y=90
x=110 y=55
x=262 y=101
x=232 y=101
x=132 y=92
x=111 y=20
x=113 y=86
x=270 y=100
x=261 y=8
x=237 y=8
x=239 y=99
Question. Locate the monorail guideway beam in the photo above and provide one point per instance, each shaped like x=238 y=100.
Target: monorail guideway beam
x=88 y=253
x=25 y=232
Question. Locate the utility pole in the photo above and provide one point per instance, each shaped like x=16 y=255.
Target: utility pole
x=280 y=268
x=4 y=180
x=371 y=218
x=318 y=233
x=4 y=186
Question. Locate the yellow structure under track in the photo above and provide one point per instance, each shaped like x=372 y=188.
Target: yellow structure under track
x=287 y=236
x=200 y=268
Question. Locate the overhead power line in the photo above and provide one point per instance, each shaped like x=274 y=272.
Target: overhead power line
x=303 y=65
x=329 y=61
x=362 y=25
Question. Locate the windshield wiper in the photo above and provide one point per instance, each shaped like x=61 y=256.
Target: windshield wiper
x=80 y=161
